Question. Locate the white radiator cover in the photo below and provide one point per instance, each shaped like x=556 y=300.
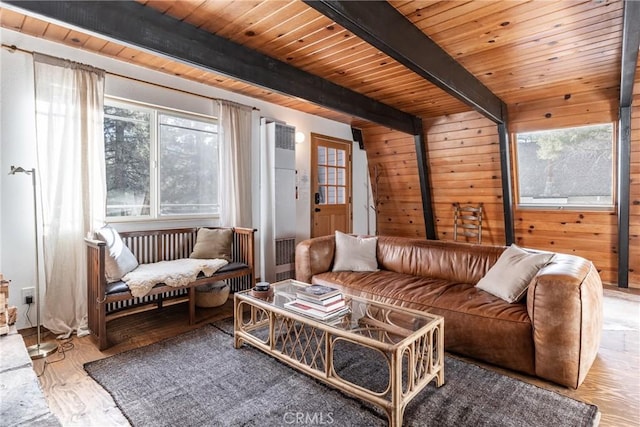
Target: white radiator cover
x=277 y=201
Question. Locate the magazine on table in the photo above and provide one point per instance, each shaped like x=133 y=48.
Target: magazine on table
x=298 y=307
x=317 y=292
x=322 y=302
x=326 y=308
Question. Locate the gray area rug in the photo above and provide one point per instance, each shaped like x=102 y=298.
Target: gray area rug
x=199 y=379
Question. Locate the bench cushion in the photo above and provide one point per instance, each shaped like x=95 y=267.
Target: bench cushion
x=233 y=266
x=121 y=287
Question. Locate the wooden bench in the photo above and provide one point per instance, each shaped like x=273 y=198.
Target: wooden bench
x=107 y=301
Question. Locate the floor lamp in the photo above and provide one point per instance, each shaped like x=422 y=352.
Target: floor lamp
x=39 y=349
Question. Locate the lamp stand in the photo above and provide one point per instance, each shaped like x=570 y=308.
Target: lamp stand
x=39 y=349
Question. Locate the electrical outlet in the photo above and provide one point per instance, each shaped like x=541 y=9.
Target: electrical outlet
x=27 y=293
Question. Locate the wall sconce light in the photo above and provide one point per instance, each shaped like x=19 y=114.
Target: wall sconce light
x=299 y=137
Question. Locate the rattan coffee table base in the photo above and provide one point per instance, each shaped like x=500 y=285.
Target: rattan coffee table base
x=309 y=346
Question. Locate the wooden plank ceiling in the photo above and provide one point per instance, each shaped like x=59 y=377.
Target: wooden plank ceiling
x=521 y=50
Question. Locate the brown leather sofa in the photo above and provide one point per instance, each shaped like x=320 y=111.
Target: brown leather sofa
x=554 y=333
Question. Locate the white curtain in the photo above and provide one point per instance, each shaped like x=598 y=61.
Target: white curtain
x=235 y=170
x=70 y=150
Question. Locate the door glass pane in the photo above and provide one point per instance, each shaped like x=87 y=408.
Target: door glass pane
x=340 y=176
x=331 y=196
x=322 y=155
x=322 y=175
x=331 y=159
x=321 y=191
x=341 y=195
x=341 y=157
x=332 y=176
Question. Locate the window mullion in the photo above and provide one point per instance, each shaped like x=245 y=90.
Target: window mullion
x=154 y=190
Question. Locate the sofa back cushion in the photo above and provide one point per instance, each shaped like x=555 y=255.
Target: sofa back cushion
x=355 y=253
x=510 y=276
x=458 y=262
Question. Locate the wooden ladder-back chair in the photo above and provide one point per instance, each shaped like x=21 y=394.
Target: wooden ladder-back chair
x=467 y=222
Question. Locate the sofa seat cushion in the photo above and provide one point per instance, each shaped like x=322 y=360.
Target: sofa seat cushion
x=477 y=324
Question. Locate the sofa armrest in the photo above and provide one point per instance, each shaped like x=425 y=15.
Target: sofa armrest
x=564 y=302
x=314 y=256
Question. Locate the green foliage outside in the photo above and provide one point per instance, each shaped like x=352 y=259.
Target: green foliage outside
x=187 y=163
x=127 y=151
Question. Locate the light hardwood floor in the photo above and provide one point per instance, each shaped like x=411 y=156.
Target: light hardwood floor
x=613 y=384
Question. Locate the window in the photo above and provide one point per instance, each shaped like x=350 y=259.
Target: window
x=159 y=163
x=332 y=170
x=570 y=167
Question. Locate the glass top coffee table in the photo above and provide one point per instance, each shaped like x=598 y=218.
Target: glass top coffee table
x=406 y=346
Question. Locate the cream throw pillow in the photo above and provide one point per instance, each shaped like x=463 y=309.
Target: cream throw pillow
x=120 y=260
x=213 y=244
x=355 y=253
x=510 y=276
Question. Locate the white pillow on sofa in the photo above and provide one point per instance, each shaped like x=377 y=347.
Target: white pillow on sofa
x=355 y=253
x=120 y=260
x=510 y=276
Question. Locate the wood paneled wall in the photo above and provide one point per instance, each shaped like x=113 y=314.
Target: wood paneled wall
x=592 y=234
x=464 y=166
x=394 y=180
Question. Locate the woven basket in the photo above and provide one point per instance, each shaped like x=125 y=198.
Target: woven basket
x=212 y=295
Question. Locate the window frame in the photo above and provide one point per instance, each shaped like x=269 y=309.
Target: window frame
x=154 y=161
x=568 y=207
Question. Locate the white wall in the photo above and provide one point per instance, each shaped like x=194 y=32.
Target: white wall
x=17 y=138
x=17 y=142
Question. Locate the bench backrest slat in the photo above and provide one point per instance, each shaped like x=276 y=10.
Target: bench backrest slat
x=160 y=245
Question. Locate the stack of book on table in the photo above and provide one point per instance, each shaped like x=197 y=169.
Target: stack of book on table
x=318 y=301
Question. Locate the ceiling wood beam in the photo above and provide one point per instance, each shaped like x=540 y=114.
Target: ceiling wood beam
x=630 y=45
x=382 y=26
x=143 y=27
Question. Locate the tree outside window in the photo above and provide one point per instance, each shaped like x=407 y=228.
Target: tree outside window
x=188 y=178
x=127 y=140
x=159 y=163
